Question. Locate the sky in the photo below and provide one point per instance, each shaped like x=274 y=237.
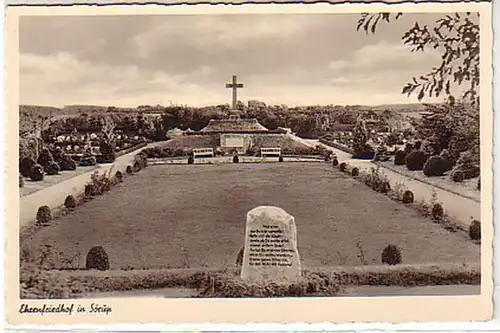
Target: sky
x=301 y=59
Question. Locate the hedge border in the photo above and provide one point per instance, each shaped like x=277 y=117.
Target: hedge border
x=371 y=275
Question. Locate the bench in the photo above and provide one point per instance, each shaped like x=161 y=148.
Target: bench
x=203 y=152
x=270 y=151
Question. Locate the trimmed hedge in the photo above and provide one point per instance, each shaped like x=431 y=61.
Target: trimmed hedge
x=408 y=197
x=52 y=169
x=400 y=158
x=190 y=160
x=343 y=166
x=236 y=159
x=97 y=258
x=43 y=215
x=129 y=169
x=435 y=166
x=437 y=212
x=475 y=230
x=383 y=275
x=70 y=202
x=36 y=173
x=26 y=165
x=391 y=255
x=415 y=160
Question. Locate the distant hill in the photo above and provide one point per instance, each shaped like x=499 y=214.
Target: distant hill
x=411 y=107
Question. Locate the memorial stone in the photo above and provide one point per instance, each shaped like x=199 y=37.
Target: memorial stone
x=270 y=252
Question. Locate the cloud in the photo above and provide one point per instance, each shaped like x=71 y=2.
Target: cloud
x=69 y=80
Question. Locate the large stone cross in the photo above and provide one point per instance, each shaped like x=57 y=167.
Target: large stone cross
x=234 y=85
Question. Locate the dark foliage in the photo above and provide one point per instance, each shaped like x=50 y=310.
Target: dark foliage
x=400 y=158
x=43 y=215
x=45 y=158
x=335 y=162
x=479 y=184
x=88 y=161
x=52 y=169
x=355 y=172
x=437 y=212
x=97 y=258
x=21 y=181
x=391 y=255
x=236 y=159
x=67 y=163
x=70 y=202
x=435 y=166
x=343 y=166
x=408 y=197
x=280 y=159
x=475 y=230
x=129 y=169
x=190 y=160
x=37 y=173
x=25 y=166
x=416 y=160
x=119 y=176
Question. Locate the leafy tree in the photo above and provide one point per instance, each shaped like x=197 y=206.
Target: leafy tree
x=360 y=137
x=456 y=36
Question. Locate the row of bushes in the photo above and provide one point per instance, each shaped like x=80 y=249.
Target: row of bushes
x=416 y=159
x=380 y=183
x=98 y=185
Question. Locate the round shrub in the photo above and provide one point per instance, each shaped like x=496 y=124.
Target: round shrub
x=70 y=202
x=129 y=169
x=97 y=258
x=43 y=215
x=355 y=172
x=479 y=184
x=437 y=212
x=137 y=166
x=415 y=160
x=475 y=230
x=119 y=176
x=391 y=255
x=25 y=166
x=36 y=173
x=239 y=258
x=52 y=168
x=67 y=164
x=408 y=197
x=417 y=145
x=335 y=162
x=343 y=166
x=448 y=161
x=435 y=166
x=236 y=159
x=45 y=158
x=384 y=187
x=190 y=160
x=457 y=176
x=21 y=181
x=400 y=158
x=280 y=159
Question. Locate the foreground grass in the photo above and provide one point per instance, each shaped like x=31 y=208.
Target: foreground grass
x=194 y=217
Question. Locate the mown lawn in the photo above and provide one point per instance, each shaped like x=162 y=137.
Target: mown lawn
x=194 y=216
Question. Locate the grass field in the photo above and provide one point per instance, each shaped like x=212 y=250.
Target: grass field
x=194 y=216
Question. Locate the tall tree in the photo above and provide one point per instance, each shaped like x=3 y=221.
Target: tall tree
x=456 y=36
